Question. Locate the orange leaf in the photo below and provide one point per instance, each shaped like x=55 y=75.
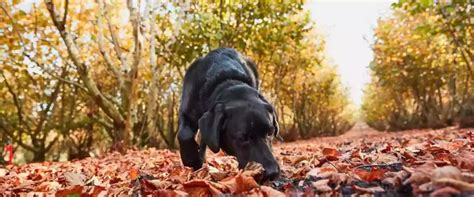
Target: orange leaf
x=133 y=174
x=331 y=154
x=199 y=187
x=372 y=175
x=239 y=183
x=270 y=191
x=76 y=189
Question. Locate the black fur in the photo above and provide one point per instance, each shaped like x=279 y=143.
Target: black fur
x=221 y=98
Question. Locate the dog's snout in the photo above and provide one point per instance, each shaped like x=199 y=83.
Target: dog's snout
x=271 y=173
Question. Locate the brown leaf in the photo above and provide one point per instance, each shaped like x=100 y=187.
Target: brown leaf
x=216 y=174
x=168 y=193
x=458 y=184
x=388 y=148
x=372 y=175
x=446 y=172
x=369 y=190
x=202 y=173
x=331 y=154
x=96 y=191
x=3 y=172
x=48 y=186
x=253 y=169
x=297 y=159
x=424 y=188
x=149 y=186
x=322 y=185
x=445 y=191
x=270 y=192
x=395 y=179
x=133 y=173
x=76 y=189
x=468 y=177
x=421 y=174
x=199 y=187
x=239 y=183
x=74 y=178
x=464 y=160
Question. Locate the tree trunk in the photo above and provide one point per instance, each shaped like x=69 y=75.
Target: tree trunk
x=39 y=156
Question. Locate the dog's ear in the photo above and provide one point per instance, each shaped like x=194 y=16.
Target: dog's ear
x=275 y=124
x=270 y=108
x=210 y=125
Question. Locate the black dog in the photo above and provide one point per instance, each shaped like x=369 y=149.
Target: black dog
x=221 y=98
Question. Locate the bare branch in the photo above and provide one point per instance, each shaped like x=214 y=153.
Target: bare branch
x=54 y=75
x=107 y=125
x=50 y=145
x=83 y=70
x=66 y=6
x=106 y=56
x=14 y=24
x=134 y=18
x=15 y=100
x=54 y=16
x=4 y=127
x=151 y=100
x=115 y=42
x=44 y=115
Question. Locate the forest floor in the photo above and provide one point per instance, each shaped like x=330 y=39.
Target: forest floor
x=362 y=161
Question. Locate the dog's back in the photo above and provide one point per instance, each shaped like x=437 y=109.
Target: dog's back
x=207 y=72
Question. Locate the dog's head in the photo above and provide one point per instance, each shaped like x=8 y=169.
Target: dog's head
x=243 y=128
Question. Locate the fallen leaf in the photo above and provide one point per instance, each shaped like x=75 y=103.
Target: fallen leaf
x=74 y=178
x=331 y=154
x=322 y=172
x=421 y=174
x=168 y=193
x=464 y=160
x=200 y=187
x=468 y=177
x=133 y=174
x=424 y=188
x=446 y=172
x=322 y=185
x=445 y=191
x=371 y=190
x=371 y=175
x=48 y=186
x=72 y=190
x=239 y=183
x=216 y=174
x=253 y=169
x=270 y=192
x=458 y=184
x=3 y=172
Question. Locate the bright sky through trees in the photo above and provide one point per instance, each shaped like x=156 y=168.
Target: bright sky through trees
x=348 y=27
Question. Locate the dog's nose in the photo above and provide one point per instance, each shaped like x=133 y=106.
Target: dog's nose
x=271 y=173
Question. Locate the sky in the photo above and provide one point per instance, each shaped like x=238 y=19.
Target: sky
x=348 y=27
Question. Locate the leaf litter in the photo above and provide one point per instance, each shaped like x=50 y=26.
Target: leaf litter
x=417 y=162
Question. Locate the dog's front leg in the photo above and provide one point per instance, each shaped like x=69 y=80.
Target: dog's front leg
x=189 y=149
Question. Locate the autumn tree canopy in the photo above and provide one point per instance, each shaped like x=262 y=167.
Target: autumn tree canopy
x=422 y=69
x=76 y=74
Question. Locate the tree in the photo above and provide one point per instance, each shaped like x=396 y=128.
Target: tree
x=119 y=72
x=36 y=86
x=421 y=73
